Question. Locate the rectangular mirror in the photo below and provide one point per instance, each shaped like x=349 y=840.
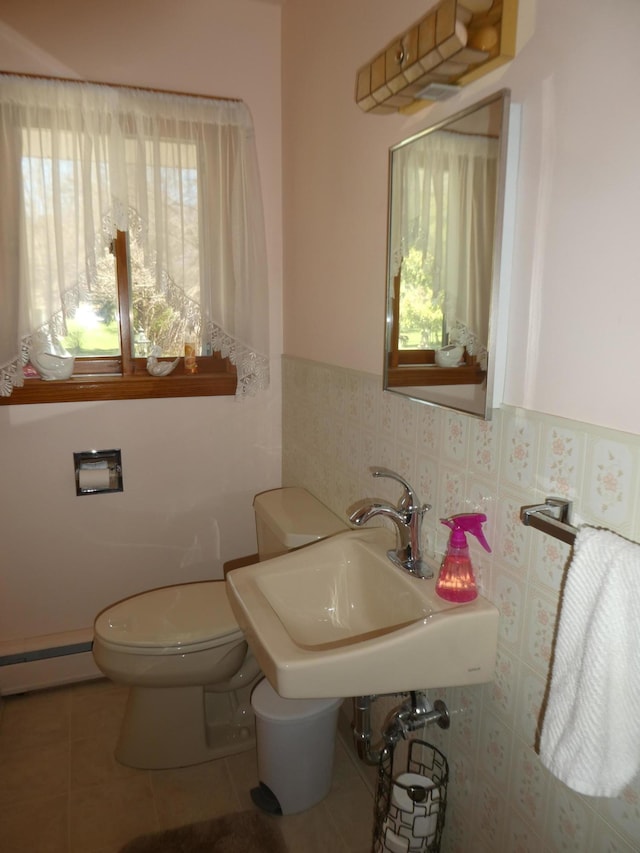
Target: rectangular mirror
x=451 y=207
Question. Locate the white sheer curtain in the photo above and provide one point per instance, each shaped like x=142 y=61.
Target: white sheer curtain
x=182 y=170
x=443 y=204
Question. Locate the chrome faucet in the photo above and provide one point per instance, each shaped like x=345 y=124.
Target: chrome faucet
x=407 y=517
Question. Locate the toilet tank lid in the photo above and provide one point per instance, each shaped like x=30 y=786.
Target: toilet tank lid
x=295 y=516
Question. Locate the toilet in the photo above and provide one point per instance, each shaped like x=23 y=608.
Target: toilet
x=184 y=658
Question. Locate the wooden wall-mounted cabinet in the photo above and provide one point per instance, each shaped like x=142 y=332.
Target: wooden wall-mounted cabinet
x=454 y=44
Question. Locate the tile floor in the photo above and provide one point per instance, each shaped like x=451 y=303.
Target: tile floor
x=61 y=790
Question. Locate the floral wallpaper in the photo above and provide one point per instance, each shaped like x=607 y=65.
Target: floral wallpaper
x=337 y=423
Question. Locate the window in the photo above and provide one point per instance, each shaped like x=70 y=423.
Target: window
x=132 y=224
x=442 y=215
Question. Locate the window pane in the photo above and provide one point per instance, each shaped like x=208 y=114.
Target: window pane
x=422 y=323
x=163 y=253
x=421 y=317
x=164 y=258
x=92 y=327
x=160 y=313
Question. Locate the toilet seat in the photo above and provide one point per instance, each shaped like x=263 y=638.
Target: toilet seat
x=170 y=620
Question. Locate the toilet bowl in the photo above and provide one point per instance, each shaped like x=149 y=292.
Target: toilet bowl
x=184 y=658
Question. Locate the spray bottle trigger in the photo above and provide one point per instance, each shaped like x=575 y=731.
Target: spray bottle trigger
x=469 y=522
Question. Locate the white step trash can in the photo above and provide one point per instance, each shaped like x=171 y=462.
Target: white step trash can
x=296 y=742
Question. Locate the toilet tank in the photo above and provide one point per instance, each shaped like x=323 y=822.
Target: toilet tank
x=289 y=518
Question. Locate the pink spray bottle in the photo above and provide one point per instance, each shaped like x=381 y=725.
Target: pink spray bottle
x=456 y=581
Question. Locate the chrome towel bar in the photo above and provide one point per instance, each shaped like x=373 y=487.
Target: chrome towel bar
x=551 y=517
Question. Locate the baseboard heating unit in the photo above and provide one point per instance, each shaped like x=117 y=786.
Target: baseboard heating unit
x=34 y=663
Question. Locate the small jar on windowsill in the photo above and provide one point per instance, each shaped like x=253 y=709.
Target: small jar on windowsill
x=190 y=362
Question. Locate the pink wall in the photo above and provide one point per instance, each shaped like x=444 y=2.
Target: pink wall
x=187 y=499
x=575 y=298
x=191 y=466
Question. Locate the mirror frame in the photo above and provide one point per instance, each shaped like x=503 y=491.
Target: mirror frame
x=422 y=380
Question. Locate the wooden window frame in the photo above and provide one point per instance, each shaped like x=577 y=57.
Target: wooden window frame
x=125 y=377
x=412 y=367
x=216 y=377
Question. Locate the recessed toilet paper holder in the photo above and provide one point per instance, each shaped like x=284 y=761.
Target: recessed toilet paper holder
x=98 y=471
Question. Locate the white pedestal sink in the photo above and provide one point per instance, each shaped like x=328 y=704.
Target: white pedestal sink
x=338 y=618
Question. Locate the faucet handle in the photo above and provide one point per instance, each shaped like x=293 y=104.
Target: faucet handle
x=409 y=500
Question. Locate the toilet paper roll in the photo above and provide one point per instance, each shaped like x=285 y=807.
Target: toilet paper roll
x=420 y=817
x=394 y=843
x=425 y=828
x=93 y=479
x=401 y=798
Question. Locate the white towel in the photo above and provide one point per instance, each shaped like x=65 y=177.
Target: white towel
x=590 y=737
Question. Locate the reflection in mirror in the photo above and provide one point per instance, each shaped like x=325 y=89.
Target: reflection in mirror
x=446 y=252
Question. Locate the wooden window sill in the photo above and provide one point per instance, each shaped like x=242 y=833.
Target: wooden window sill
x=407 y=376
x=82 y=388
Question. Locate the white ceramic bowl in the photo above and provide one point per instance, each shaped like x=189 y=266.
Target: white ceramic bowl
x=51 y=366
x=450 y=356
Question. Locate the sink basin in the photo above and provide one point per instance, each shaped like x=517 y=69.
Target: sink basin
x=338 y=618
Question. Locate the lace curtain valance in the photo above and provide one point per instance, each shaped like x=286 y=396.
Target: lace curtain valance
x=183 y=168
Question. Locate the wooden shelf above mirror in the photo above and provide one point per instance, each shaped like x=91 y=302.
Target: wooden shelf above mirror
x=455 y=43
